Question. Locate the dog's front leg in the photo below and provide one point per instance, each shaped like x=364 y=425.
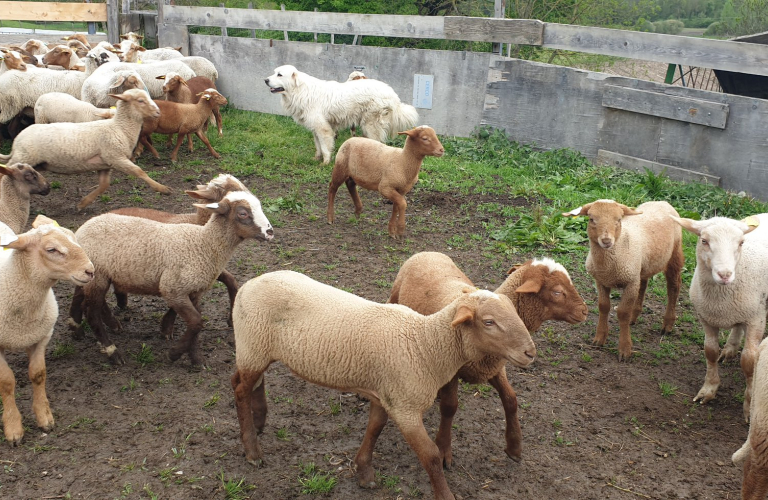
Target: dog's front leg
x=326 y=140
x=318 y=151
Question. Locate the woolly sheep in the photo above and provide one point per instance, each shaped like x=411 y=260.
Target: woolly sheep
x=63 y=56
x=378 y=167
x=100 y=146
x=728 y=291
x=212 y=192
x=21 y=89
x=201 y=66
x=627 y=247
x=28 y=309
x=93 y=87
x=56 y=107
x=133 y=37
x=177 y=89
x=753 y=453
x=182 y=119
x=540 y=290
x=388 y=353
x=80 y=37
x=18 y=183
x=10 y=59
x=175 y=261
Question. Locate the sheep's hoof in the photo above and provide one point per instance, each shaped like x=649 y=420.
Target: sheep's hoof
x=14 y=440
x=515 y=456
x=728 y=353
x=116 y=358
x=174 y=354
x=366 y=478
x=706 y=394
x=256 y=462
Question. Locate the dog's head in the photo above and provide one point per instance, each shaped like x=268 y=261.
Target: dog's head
x=283 y=80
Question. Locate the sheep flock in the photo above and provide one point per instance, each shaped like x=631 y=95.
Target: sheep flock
x=72 y=108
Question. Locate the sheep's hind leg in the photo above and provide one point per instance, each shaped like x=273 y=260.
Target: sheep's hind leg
x=125 y=166
x=604 y=308
x=674 y=276
x=751 y=345
x=37 y=375
x=75 y=320
x=102 y=187
x=638 y=306
x=449 y=403
x=732 y=345
x=513 y=435
x=755 y=483
x=185 y=307
x=12 y=427
x=377 y=419
x=94 y=301
x=352 y=188
x=429 y=456
x=711 y=352
x=243 y=382
x=623 y=313
x=231 y=283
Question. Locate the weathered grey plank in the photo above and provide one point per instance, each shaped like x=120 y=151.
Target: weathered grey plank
x=719 y=54
x=675 y=173
x=21 y=38
x=171 y=35
x=685 y=109
x=481 y=29
x=321 y=22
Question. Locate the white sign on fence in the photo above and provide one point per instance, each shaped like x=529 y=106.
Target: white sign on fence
x=423 y=86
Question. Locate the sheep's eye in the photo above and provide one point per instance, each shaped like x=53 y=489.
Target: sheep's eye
x=51 y=251
x=556 y=293
x=741 y=243
x=489 y=322
x=705 y=242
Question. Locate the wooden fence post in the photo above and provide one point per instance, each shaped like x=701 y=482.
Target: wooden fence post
x=253 y=32
x=223 y=28
x=499 y=11
x=113 y=21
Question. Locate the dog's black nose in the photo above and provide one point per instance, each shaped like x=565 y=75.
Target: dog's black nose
x=266 y=80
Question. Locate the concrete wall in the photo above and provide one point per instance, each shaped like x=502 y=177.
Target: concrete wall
x=244 y=63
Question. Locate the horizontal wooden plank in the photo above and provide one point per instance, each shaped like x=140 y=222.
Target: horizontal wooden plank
x=53 y=11
x=484 y=29
x=698 y=52
x=675 y=173
x=684 y=109
x=309 y=22
x=21 y=38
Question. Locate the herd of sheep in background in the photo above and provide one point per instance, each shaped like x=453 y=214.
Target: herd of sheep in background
x=443 y=328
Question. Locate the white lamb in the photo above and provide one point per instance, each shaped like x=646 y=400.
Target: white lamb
x=389 y=353
x=21 y=89
x=56 y=107
x=99 y=146
x=28 y=309
x=93 y=88
x=728 y=291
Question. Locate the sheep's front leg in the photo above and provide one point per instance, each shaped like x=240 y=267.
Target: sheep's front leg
x=711 y=352
x=11 y=416
x=37 y=376
x=217 y=116
x=243 y=383
x=513 y=434
x=751 y=344
x=76 y=313
x=624 y=314
x=352 y=188
x=413 y=430
x=449 y=403
x=125 y=166
x=101 y=188
x=185 y=308
x=397 y=221
x=231 y=283
x=205 y=140
x=94 y=301
x=604 y=308
x=377 y=419
x=179 y=142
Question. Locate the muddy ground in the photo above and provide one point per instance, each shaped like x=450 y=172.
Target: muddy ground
x=592 y=427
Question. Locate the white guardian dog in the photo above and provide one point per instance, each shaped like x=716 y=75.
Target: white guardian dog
x=325 y=106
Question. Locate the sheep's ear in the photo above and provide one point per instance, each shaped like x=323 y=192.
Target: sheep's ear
x=15 y=242
x=690 y=225
x=123 y=37
x=530 y=286
x=183 y=82
x=216 y=208
x=117 y=81
x=583 y=210
x=42 y=219
x=629 y=211
x=514 y=268
x=4 y=170
x=410 y=133
x=119 y=97
x=105 y=114
x=463 y=315
x=141 y=49
x=202 y=194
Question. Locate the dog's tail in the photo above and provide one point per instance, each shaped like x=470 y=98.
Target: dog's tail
x=403 y=117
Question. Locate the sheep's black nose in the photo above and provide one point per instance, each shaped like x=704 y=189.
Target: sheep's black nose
x=270 y=232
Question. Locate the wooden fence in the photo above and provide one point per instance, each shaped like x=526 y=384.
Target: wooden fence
x=59 y=11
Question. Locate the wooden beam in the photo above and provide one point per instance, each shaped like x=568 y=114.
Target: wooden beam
x=675 y=173
x=684 y=109
x=21 y=38
x=483 y=29
x=53 y=11
x=699 y=52
x=113 y=21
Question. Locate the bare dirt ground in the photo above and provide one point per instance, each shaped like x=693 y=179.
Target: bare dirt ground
x=592 y=427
